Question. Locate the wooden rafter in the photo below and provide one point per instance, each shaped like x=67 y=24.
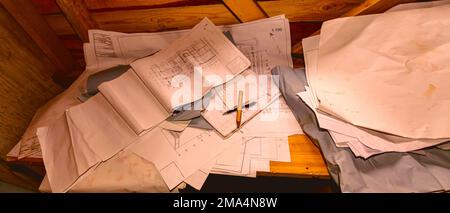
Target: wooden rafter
x=42 y=34
x=245 y=10
x=79 y=17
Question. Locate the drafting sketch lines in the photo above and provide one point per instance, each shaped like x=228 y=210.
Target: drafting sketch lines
x=256 y=148
x=200 y=53
x=132 y=50
x=103 y=46
x=259 y=58
x=279 y=106
x=270 y=143
x=29 y=147
x=183 y=146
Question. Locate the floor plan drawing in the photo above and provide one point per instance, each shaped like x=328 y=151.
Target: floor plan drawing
x=259 y=58
x=253 y=152
x=181 y=145
x=184 y=61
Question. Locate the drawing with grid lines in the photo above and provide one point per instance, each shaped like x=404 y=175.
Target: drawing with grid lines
x=203 y=51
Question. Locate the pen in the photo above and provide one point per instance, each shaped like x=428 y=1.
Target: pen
x=235 y=108
x=239 y=110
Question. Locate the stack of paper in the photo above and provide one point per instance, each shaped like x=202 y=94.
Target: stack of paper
x=129 y=113
x=379 y=83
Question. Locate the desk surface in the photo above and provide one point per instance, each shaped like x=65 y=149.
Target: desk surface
x=306 y=161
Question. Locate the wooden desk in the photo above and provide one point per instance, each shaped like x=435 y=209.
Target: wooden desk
x=306 y=161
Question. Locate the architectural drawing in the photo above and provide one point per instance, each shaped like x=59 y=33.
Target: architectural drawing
x=259 y=58
x=29 y=147
x=253 y=150
x=200 y=53
x=103 y=46
x=180 y=146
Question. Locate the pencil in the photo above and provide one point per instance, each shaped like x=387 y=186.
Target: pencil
x=239 y=110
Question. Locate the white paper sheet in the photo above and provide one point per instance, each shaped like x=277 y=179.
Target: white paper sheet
x=266 y=42
x=240 y=34
x=15 y=152
x=197 y=179
x=134 y=102
x=225 y=124
x=100 y=127
x=275 y=120
x=58 y=155
x=205 y=50
x=270 y=128
x=108 y=49
x=177 y=126
x=45 y=116
x=371 y=76
x=417 y=5
x=50 y=111
x=125 y=172
x=371 y=139
x=155 y=147
x=180 y=156
x=252 y=155
x=29 y=147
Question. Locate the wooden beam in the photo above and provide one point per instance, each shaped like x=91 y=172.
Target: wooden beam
x=78 y=16
x=46 y=6
x=38 y=29
x=102 y=4
x=25 y=80
x=59 y=24
x=366 y=5
x=150 y=20
x=143 y=4
x=384 y=5
x=163 y=18
x=245 y=10
x=308 y=10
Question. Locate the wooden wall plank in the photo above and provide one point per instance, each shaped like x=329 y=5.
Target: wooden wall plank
x=59 y=24
x=46 y=6
x=367 y=4
x=79 y=17
x=39 y=30
x=300 y=30
x=149 y=20
x=144 y=4
x=72 y=42
x=50 y=7
x=101 y=4
x=25 y=80
x=308 y=10
x=25 y=84
x=163 y=19
x=245 y=10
